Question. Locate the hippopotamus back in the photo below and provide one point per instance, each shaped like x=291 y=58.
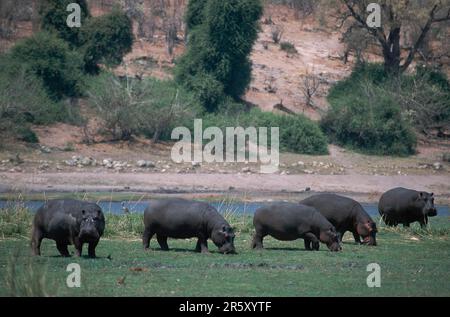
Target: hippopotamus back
x=182 y=219
x=288 y=221
x=345 y=214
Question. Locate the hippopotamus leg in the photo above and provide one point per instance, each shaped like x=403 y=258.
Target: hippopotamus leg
x=162 y=241
x=202 y=245
x=311 y=238
x=357 y=237
x=423 y=222
x=78 y=246
x=91 y=249
x=257 y=242
x=62 y=248
x=340 y=234
x=148 y=234
x=36 y=242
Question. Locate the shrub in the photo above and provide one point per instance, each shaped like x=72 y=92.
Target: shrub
x=423 y=98
x=106 y=39
x=54 y=15
x=51 y=60
x=131 y=107
x=276 y=33
x=24 y=101
x=369 y=120
x=298 y=134
x=195 y=13
x=288 y=48
x=219 y=45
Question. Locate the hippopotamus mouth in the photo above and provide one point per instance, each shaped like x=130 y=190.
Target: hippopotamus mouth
x=89 y=237
x=369 y=241
x=335 y=247
x=432 y=212
x=227 y=250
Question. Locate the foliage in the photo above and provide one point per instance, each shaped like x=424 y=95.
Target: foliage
x=363 y=116
x=24 y=101
x=288 y=48
x=195 y=14
x=51 y=60
x=298 y=134
x=106 y=39
x=54 y=15
x=131 y=107
x=217 y=55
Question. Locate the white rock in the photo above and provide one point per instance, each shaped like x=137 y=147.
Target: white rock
x=86 y=161
x=246 y=170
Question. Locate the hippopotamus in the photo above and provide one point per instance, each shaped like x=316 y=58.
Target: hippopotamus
x=345 y=214
x=405 y=206
x=289 y=221
x=67 y=222
x=182 y=219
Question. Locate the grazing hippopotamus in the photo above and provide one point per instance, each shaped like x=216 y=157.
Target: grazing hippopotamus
x=346 y=215
x=67 y=222
x=288 y=222
x=405 y=206
x=182 y=219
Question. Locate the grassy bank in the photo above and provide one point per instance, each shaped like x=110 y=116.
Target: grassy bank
x=414 y=262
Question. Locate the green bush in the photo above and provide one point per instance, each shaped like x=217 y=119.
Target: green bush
x=288 y=47
x=24 y=101
x=53 y=16
x=221 y=37
x=106 y=39
x=365 y=117
x=50 y=59
x=378 y=113
x=27 y=135
x=195 y=13
x=132 y=107
x=298 y=134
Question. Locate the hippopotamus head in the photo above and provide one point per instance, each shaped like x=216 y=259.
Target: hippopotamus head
x=368 y=231
x=425 y=202
x=91 y=227
x=331 y=239
x=223 y=238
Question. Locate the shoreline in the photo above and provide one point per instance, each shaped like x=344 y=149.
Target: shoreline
x=254 y=187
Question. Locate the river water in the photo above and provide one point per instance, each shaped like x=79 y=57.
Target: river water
x=235 y=207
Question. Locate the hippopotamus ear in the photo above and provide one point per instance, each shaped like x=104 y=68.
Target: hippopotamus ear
x=83 y=212
x=432 y=194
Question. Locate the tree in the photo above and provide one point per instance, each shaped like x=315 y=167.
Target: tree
x=54 y=14
x=417 y=18
x=50 y=58
x=106 y=39
x=195 y=13
x=218 y=48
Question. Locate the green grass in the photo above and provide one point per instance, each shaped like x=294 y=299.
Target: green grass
x=413 y=262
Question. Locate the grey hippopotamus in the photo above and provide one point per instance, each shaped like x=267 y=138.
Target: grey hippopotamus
x=68 y=222
x=346 y=215
x=405 y=206
x=288 y=222
x=182 y=219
